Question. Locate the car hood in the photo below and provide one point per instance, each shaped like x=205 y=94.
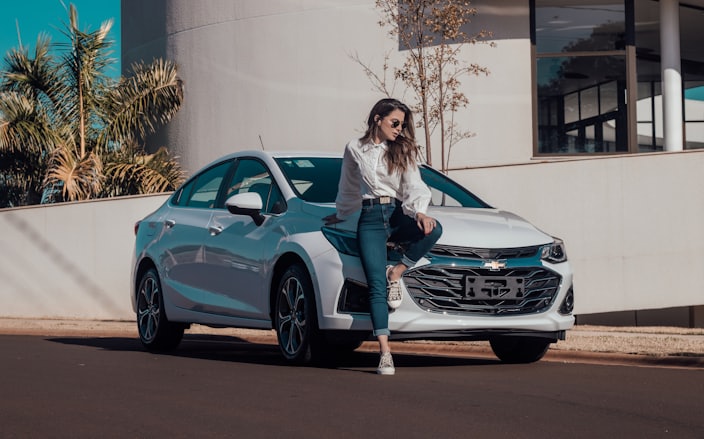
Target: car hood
x=486 y=228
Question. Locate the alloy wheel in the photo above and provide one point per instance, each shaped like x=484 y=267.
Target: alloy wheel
x=148 y=309
x=292 y=317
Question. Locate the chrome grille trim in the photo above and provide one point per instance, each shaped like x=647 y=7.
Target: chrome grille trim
x=484 y=253
x=441 y=288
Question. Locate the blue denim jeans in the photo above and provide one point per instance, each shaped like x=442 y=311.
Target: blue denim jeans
x=377 y=224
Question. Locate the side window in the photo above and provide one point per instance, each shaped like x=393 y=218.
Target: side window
x=181 y=196
x=252 y=176
x=202 y=191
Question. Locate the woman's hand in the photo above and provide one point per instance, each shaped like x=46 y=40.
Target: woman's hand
x=425 y=223
x=332 y=219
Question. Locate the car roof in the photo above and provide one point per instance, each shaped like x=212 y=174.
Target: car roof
x=268 y=155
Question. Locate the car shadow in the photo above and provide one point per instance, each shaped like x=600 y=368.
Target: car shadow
x=234 y=349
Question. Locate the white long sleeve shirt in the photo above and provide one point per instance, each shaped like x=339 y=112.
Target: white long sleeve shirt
x=365 y=175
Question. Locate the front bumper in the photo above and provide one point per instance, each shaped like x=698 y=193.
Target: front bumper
x=342 y=302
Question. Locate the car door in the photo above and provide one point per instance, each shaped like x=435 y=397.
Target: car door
x=187 y=282
x=240 y=251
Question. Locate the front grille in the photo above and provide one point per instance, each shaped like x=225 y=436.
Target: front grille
x=480 y=291
x=484 y=253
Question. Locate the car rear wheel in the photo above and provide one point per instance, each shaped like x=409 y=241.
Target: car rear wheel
x=295 y=318
x=156 y=332
x=519 y=349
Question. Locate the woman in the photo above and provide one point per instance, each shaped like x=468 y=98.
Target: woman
x=380 y=175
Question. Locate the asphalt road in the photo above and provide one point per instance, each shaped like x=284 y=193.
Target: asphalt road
x=226 y=387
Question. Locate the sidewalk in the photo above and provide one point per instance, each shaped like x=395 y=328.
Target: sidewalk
x=624 y=345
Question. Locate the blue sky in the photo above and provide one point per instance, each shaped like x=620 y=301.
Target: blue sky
x=51 y=17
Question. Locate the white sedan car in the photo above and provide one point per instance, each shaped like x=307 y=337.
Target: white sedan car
x=242 y=244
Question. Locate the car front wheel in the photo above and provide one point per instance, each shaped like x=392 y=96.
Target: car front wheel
x=156 y=332
x=295 y=318
x=519 y=349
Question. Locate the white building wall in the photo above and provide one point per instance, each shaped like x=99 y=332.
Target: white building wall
x=282 y=71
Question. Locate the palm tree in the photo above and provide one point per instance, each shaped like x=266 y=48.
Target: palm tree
x=70 y=132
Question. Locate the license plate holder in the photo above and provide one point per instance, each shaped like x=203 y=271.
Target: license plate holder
x=494 y=287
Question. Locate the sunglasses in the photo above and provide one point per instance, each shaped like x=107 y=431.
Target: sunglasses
x=395 y=123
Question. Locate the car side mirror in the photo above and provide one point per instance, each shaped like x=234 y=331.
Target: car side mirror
x=246 y=203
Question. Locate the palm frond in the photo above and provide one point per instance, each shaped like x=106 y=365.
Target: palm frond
x=83 y=83
x=142 y=173
x=29 y=74
x=23 y=125
x=143 y=102
x=80 y=178
x=36 y=77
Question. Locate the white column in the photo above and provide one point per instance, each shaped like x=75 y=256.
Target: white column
x=671 y=75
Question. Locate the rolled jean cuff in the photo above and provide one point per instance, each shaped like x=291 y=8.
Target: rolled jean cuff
x=378 y=332
x=405 y=260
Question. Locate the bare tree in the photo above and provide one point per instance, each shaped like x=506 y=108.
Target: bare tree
x=432 y=34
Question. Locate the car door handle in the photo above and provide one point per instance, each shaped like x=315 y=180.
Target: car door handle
x=215 y=230
x=169 y=223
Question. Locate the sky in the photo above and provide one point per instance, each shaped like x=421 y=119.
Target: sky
x=51 y=17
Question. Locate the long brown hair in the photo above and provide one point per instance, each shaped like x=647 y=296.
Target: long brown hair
x=402 y=152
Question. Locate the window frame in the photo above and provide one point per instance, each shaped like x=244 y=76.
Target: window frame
x=631 y=89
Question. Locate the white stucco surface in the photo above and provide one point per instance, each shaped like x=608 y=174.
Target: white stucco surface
x=70 y=260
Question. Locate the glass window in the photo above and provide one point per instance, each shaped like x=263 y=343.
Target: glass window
x=207 y=184
x=649 y=100
x=315 y=179
x=691 y=25
x=694 y=114
x=563 y=26
x=581 y=76
x=581 y=105
x=446 y=192
x=202 y=190
x=252 y=176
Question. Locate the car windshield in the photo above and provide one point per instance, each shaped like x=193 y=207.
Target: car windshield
x=315 y=179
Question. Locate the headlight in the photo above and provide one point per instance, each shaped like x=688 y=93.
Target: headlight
x=343 y=240
x=555 y=252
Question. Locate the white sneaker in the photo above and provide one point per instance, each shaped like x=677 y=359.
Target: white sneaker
x=394 y=296
x=386 y=364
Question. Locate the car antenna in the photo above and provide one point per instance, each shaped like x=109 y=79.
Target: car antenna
x=262 y=143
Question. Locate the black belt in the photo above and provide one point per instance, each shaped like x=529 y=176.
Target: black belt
x=380 y=200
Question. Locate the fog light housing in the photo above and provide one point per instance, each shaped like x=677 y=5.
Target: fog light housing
x=567 y=305
x=354 y=298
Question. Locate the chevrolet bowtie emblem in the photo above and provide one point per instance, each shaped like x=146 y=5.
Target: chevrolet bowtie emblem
x=495 y=265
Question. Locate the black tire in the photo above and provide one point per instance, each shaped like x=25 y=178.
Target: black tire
x=156 y=332
x=519 y=350
x=295 y=318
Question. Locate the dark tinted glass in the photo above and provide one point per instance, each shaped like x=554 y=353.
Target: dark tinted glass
x=563 y=26
x=252 y=176
x=581 y=104
x=316 y=180
x=202 y=190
